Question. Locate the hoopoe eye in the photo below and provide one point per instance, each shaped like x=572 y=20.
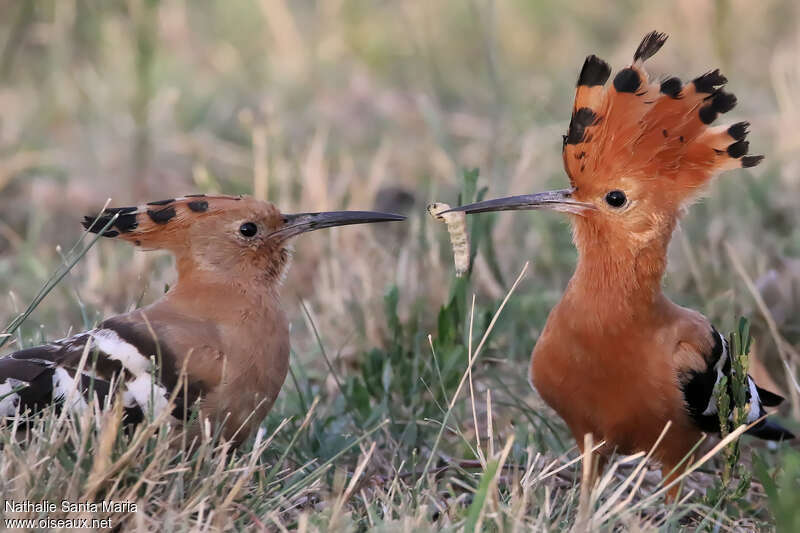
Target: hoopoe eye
x=248 y=229
x=616 y=198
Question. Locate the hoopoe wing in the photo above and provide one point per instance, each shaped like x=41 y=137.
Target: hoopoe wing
x=698 y=387
x=32 y=378
x=125 y=353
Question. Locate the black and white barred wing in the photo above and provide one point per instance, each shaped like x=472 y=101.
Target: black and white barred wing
x=32 y=378
x=698 y=392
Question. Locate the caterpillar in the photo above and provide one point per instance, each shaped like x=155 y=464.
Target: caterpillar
x=459 y=238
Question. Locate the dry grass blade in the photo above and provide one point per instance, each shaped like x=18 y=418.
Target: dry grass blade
x=478 y=449
x=791 y=377
x=341 y=500
x=258 y=448
x=636 y=478
x=279 y=463
x=110 y=425
x=582 y=522
x=286 y=492
x=550 y=471
x=733 y=435
x=143 y=433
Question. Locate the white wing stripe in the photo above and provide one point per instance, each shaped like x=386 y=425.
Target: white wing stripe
x=62 y=385
x=109 y=342
x=8 y=405
x=755 y=402
x=141 y=390
x=711 y=408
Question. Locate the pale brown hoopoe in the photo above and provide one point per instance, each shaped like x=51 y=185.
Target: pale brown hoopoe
x=224 y=314
x=617 y=358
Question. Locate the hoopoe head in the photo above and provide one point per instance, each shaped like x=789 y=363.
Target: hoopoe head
x=229 y=235
x=637 y=151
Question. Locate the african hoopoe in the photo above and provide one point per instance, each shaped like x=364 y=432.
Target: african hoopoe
x=617 y=358
x=224 y=314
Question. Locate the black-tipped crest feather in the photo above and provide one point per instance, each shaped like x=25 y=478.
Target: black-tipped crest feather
x=671 y=87
x=749 y=161
x=708 y=82
x=595 y=71
x=739 y=130
x=708 y=114
x=581 y=119
x=651 y=44
x=723 y=102
x=627 y=80
x=738 y=149
x=126 y=221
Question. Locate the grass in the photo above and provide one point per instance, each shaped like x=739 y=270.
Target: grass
x=407 y=406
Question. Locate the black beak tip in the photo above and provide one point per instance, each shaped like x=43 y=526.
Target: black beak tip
x=369 y=217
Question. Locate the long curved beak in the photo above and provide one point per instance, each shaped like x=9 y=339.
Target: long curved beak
x=560 y=200
x=303 y=222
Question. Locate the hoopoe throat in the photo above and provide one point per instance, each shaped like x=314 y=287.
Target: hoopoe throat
x=617 y=274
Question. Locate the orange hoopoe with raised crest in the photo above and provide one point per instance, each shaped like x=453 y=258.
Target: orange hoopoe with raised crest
x=617 y=358
x=222 y=321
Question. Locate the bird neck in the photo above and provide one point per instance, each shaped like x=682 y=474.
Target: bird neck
x=224 y=297
x=617 y=280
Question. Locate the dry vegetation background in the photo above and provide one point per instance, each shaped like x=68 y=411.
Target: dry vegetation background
x=329 y=104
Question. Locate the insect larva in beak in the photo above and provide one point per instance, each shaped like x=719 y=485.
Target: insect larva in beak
x=459 y=238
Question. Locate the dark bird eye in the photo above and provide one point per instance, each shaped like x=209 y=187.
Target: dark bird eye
x=248 y=229
x=616 y=198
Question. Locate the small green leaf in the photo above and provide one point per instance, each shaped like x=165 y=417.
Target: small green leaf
x=479 y=499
